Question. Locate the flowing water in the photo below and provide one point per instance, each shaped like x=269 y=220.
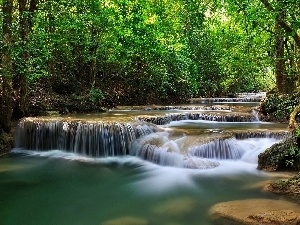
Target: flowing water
x=114 y=168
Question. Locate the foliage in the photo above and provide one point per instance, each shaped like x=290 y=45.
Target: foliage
x=280 y=156
x=276 y=107
x=96 y=95
x=293 y=156
x=243 y=45
x=147 y=51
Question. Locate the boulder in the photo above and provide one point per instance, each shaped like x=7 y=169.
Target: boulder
x=256 y=211
x=277 y=156
x=289 y=188
x=6 y=142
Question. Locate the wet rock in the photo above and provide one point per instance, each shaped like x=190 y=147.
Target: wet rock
x=256 y=211
x=276 y=157
x=276 y=107
x=126 y=221
x=290 y=188
x=6 y=142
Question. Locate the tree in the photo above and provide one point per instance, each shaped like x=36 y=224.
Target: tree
x=6 y=70
x=22 y=70
x=286 y=25
x=242 y=46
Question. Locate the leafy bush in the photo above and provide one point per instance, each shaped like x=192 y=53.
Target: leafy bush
x=96 y=95
x=277 y=107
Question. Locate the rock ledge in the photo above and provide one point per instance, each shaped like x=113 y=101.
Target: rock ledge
x=256 y=211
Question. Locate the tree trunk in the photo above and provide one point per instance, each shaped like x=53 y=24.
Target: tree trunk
x=280 y=72
x=6 y=77
x=285 y=83
x=25 y=22
x=21 y=81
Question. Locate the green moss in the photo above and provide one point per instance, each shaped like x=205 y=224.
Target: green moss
x=290 y=187
x=277 y=107
x=280 y=156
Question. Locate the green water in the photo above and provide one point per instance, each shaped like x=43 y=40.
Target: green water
x=56 y=188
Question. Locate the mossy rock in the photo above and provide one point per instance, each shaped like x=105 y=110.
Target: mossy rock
x=6 y=142
x=278 y=107
x=289 y=188
x=278 y=156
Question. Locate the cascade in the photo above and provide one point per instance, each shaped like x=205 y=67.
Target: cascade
x=86 y=138
x=143 y=138
x=218 y=149
x=165 y=119
x=159 y=149
x=262 y=134
x=242 y=97
x=218 y=100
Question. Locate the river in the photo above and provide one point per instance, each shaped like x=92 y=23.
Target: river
x=168 y=184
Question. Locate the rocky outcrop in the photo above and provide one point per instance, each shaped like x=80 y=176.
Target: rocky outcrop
x=6 y=142
x=278 y=156
x=289 y=188
x=276 y=107
x=255 y=211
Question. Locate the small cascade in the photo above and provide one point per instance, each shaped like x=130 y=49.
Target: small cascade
x=218 y=149
x=157 y=148
x=160 y=156
x=241 y=97
x=199 y=108
x=85 y=138
x=244 y=146
x=279 y=135
x=165 y=119
x=224 y=100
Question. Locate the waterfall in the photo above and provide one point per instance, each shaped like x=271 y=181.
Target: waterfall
x=218 y=149
x=213 y=100
x=165 y=119
x=262 y=134
x=159 y=149
x=245 y=148
x=85 y=138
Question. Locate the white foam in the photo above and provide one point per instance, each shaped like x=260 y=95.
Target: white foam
x=156 y=179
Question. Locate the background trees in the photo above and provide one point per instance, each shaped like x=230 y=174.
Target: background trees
x=144 y=51
x=6 y=66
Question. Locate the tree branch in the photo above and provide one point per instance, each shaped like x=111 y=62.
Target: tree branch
x=283 y=23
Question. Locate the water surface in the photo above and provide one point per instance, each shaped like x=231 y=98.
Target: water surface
x=53 y=187
x=62 y=188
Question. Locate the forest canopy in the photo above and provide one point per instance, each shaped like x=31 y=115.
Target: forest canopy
x=146 y=51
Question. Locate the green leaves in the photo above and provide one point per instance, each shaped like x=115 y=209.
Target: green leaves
x=175 y=49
